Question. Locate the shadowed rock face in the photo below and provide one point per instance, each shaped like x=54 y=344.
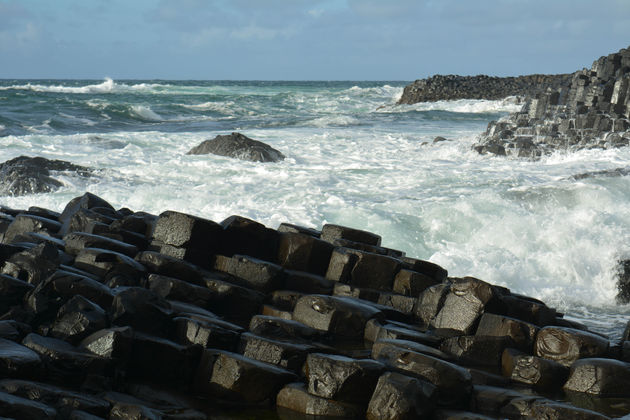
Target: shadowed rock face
x=31 y=175
x=238 y=146
x=592 y=110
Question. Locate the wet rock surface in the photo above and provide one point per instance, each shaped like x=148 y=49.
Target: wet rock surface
x=589 y=110
x=30 y=175
x=238 y=146
x=201 y=319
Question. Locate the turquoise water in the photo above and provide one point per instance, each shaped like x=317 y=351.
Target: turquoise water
x=354 y=158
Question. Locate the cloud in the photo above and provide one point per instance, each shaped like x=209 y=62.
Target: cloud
x=382 y=9
x=18 y=31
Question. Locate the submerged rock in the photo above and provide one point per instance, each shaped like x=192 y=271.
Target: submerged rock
x=238 y=146
x=31 y=175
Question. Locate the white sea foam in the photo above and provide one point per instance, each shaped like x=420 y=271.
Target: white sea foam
x=146 y=113
x=526 y=225
x=107 y=86
x=84 y=121
x=471 y=106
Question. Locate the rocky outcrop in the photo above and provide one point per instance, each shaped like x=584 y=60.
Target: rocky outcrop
x=592 y=111
x=31 y=175
x=451 y=87
x=238 y=146
x=108 y=313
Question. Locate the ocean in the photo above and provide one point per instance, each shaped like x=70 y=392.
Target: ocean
x=353 y=158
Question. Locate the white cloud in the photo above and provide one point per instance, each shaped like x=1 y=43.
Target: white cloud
x=19 y=38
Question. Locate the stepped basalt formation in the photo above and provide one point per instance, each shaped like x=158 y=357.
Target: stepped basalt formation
x=452 y=87
x=111 y=313
x=592 y=111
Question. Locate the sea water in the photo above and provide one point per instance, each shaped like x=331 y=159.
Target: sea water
x=354 y=158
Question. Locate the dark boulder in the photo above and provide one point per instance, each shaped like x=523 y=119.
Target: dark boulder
x=78 y=318
x=283 y=329
x=307 y=283
x=342 y=378
x=332 y=232
x=295 y=397
x=401 y=397
x=247 y=237
x=111 y=343
x=141 y=309
x=454 y=383
x=297 y=251
x=31 y=175
x=77 y=241
x=623 y=281
x=476 y=350
x=24 y=223
x=46 y=299
x=168 y=266
x=85 y=202
x=237 y=378
x=65 y=363
x=206 y=332
x=601 y=377
x=338 y=316
x=23 y=408
x=33 y=265
x=195 y=237
x=531 y=370
x=342 y=261
x=12 y=291
x=238 y=146
x=253 y=273
x=161 y=361
x=65 y=401
x=417 y=346
x=412 y=283
x=566 y=345
x=18 y=361
x=521 y=333
x=290 y=356
x=106 y=264
x=463 y=305
x=236 y=303
x=174 y=289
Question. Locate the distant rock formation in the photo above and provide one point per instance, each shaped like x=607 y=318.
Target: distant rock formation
x=238 y=146
x=31 y=175
x=450 y=87
x=592 y=111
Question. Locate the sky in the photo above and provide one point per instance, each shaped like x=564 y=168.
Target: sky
x=305 y=39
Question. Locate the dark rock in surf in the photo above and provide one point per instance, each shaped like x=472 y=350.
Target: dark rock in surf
x=31 y=175
x=238 y=146
x=623 y=281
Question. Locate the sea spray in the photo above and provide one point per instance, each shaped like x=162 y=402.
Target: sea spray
x=353 y=158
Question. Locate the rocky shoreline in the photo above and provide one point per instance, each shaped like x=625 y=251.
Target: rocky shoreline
x=111 y=313
x=452 y=87
x=591 y=111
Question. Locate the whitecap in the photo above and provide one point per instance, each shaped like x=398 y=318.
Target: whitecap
x=84 y=121
x=468 y=106
x=146 y=113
